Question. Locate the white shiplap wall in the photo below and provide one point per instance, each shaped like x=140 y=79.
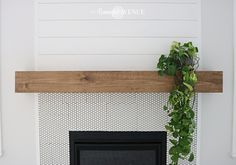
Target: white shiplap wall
x=71 y=35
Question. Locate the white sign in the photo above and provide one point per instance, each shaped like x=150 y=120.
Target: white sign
x=118 y=12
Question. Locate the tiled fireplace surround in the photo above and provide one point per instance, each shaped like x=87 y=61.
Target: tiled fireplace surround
x=60 y=113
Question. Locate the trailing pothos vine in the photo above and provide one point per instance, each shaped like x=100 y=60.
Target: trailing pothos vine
x=181 y=63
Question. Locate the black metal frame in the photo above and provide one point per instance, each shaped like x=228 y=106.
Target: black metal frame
x=156 y=140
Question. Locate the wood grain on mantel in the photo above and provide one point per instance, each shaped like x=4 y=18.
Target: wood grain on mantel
x=108 y=81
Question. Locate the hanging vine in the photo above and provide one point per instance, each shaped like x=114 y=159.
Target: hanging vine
x=181 y=63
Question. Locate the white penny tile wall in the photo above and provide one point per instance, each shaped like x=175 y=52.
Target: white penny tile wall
x=61 y=113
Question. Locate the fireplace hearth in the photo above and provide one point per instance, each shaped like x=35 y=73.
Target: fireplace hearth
x=117 y=148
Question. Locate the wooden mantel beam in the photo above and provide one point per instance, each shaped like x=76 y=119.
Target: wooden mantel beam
x=108 y=81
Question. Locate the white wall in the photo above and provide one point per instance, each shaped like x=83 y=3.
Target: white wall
x=19 y=142
x=17 y=110
x=217 y=54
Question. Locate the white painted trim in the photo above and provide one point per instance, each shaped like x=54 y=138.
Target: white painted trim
x=198 y=162
x=234 y=97
x=234 y=155
x=199 y=113
x=37 y=130
x=1 y=152
x=36 y=95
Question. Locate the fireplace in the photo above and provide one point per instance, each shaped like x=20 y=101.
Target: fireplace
x=117 y=148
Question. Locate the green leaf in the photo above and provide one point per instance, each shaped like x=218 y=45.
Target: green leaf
x=175 y=134
x=185 y=122
x=174 y=142
x=188 y=86
x=185 y=69
x=184 y=142
x=191 y=157
x=193 y=78
x=161 y=72
x=165 y=108
x=183 y=134
x=172 y=150
x=175 y=158
x=171 y=69
x=168 y=128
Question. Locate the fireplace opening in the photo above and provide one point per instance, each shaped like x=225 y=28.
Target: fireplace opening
x=117 y=148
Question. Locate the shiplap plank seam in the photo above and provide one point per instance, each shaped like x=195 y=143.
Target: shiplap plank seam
x=193 y=37
x=106 y=45
x=146 y=20
x=180 y=3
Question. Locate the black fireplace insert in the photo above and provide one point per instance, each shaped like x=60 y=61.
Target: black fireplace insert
x=117 y=148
